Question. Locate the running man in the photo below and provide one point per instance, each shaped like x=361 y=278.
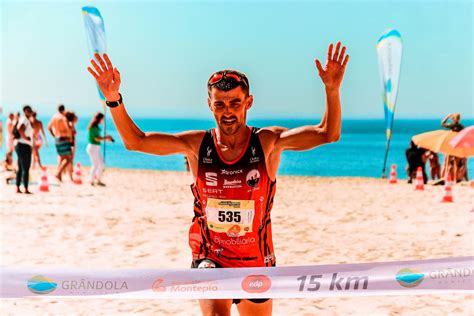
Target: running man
x=234 y=167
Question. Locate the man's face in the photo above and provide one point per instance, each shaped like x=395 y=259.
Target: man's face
x=229 y=108
x=28 y=113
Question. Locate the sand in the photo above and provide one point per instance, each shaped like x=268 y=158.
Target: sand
x=141 y=220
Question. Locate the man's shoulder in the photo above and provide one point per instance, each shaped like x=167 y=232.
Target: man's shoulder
x=270 y=132
x=269 y=135
x=193 y=138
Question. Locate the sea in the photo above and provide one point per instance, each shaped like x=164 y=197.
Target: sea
x=359 y=152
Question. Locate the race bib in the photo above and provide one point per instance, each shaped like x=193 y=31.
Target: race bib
x=233 y=217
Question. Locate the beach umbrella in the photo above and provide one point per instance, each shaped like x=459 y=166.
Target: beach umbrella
x=464 y=139
x=438 y=141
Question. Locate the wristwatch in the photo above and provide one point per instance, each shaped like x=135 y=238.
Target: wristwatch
x=114 y=104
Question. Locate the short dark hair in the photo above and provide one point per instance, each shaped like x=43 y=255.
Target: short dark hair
x=27 y=108
x=229 y=83
x=61 y=108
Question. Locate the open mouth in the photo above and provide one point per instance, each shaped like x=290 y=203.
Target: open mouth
x=228 y=121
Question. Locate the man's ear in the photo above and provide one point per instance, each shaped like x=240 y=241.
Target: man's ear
x=209 y=103
x=249 y=102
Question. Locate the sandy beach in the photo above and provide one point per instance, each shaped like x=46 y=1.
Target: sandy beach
x=141 y=220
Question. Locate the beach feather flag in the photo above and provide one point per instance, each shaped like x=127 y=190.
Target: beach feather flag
x=95 y=32
x=389 y=52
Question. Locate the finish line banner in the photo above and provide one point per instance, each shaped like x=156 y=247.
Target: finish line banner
x=433 y=276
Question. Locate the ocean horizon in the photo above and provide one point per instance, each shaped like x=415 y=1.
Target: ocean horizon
x=359 y=152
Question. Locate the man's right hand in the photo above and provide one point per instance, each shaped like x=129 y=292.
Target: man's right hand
x=107 y=77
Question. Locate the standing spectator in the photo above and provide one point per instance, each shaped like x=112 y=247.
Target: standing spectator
x=37 y=139
x=415 y=158
x=435 y=168
x=71 y=118
x=455 y=124
x=10 y=138
x=60 y=130
x=93 y=148
x=454 y=165
x=23 y=132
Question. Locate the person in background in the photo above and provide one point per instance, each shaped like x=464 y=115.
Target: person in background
x=10 y=138
x=415 y=158
x=37 y=139
x=93 y=148
x=455 y=124
x=454 y=164
x=462 y=170
x=23 y=148
x=435 y=168
x=72 y=119
x=59 y=129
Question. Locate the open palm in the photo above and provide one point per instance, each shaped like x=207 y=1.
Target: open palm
x=107 y=77
x=333 y=71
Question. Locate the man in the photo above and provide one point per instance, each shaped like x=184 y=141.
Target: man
x=234 y=168
x=23 y=148
x=59 y=129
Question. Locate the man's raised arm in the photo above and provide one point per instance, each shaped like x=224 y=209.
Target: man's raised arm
x=108 y=80
x=329 y=129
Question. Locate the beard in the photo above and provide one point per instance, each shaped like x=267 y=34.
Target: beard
x=230 y=129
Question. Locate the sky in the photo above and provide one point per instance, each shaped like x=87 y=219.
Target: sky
x=166 y=51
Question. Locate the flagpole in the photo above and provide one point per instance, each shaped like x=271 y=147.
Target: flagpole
x=105 y=128
x=387 y=147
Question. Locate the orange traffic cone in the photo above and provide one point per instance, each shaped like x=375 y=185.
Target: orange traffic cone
x=393 y=174
x=448 y=191
x=419 y=180
x=77 y=174
x=44 y=186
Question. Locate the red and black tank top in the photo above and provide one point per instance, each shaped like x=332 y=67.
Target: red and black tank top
x=232 y=204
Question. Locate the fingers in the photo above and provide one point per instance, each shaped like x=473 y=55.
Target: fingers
x=117 y=75
x=346 y=59
x=341 y=55
x=330 y=51
x=336 y=53
x=318 y=65
x=101 y=62
x=108 y=62
x=93 y=73
x=97 y=68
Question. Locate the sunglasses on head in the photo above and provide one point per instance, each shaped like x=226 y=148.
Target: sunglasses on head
x=215 y=78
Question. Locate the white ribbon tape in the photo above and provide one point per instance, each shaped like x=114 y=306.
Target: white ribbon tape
x=448 y=275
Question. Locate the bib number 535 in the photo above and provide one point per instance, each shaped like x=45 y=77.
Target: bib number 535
x=229 y=216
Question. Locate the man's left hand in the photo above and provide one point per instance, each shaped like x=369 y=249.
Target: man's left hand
x=333 y=72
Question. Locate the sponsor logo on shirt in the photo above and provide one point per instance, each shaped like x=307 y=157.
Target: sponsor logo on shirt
x=236 y=183
x=253 y=178
x=254 y=159
x=231 y=172
x=218 y=191
x=207 y=159
x=235 y=241
x=211 y=179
